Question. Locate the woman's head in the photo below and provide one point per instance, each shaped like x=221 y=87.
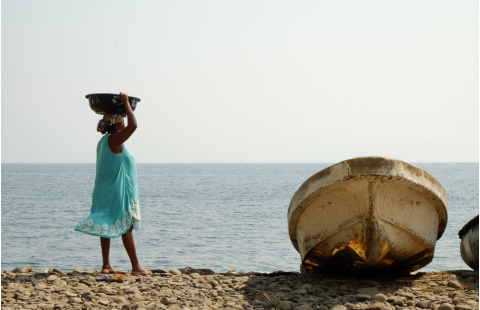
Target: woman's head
x=110 y=122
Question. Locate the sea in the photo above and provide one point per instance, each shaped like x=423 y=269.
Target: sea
x=217 y=216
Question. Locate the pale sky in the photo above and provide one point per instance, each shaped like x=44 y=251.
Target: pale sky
x=244 y=81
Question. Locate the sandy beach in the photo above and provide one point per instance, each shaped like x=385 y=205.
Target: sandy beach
x=193 y=289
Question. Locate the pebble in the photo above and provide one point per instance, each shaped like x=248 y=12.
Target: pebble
x=308 y=287
x=41 y=275
x=175 y=271
x=472 y=303
x=350 y=306
x=423 y=304
x=74 y=300
x=454 y=284
x=446 y=307
x=88 y=295
x=17 y=270
x=165 y=301
x=368 y=291
x=176 y=291
x=362 y=297
x=399 y=301
x=303 y=307
x=52 y=278
x=268 y=305
x=407 y=295
x=458 y=300
x=302 y=291
x=284 y=305
x=377 y=306
x=379 y=297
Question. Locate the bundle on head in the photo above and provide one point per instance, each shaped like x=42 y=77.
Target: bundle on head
x=108 y=122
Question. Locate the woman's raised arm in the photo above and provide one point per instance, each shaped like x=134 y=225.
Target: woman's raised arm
x=124 y=134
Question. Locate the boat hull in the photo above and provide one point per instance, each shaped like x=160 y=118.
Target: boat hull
x=367 y=214
x=469 y=243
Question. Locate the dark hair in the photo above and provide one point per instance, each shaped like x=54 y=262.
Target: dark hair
x=108 y=129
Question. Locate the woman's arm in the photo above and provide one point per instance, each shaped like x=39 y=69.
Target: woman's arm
x=123 y=135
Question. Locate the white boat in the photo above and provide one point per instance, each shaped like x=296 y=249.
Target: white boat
x=469 y=243
x=367 y=214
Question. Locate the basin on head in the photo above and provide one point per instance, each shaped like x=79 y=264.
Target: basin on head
x=109 y=103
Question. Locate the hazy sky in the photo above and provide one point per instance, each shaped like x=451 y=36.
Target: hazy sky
x=244 y=81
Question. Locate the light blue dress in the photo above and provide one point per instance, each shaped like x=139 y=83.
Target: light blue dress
x=115 y=205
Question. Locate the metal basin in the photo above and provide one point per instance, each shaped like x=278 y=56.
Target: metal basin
x=109 y=103
x=367 y=214
x=469 y=243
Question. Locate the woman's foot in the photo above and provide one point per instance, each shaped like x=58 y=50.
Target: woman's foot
x=141 y=272
x=108 y=270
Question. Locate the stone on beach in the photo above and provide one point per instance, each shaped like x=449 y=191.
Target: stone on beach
x=74 y=300
x=423 y=304
x=454 y=284
x=88 y=295
x=175 y=271
x=446 y=307
x=302 y=307
x=58 y=270
x=362 y=297
x=350 y=306
x=52 y=278
x=233 y=291
x=368 y=291
x=377 y=306
x=399 y=301
x=285 y=305
x=41 y=275
x=379 y=298
x=17 y=270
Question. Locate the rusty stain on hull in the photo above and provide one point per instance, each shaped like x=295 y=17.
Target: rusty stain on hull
x=367 y=214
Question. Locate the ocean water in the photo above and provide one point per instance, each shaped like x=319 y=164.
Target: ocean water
x=218 y=216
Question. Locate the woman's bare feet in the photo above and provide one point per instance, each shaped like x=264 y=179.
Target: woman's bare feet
x=108 y=270
x=140 y=271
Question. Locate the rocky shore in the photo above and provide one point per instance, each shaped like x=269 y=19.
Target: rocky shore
x=195 y=289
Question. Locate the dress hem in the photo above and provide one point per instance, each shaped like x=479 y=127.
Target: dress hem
x=89 y=227
x=103 y=236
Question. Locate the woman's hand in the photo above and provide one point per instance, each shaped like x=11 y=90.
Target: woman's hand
x=116 y=139
x=124 y=98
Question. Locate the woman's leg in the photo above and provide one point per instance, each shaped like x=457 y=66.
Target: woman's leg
x=129 y=245
x=105 y=243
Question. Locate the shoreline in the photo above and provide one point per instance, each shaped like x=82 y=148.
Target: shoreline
x=196 y=289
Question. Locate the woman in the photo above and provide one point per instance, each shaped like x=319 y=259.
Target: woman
x=115 y=209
